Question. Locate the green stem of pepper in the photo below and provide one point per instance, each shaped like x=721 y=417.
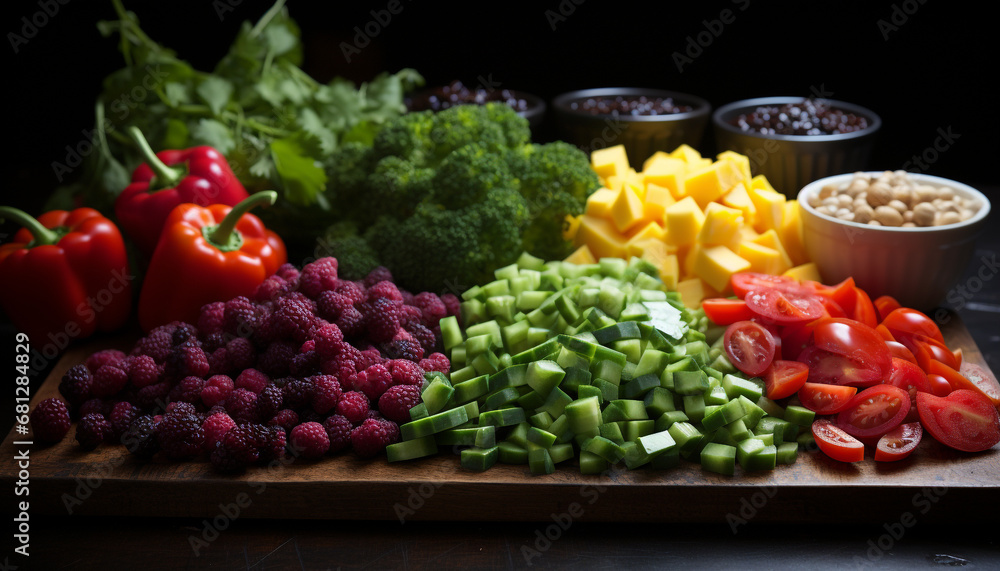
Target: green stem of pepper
x=165 y=177
x=224 y=235
x=42 y=236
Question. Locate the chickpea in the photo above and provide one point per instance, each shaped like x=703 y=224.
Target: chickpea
x=924 y=213
x=890 y=198
x=888 y=216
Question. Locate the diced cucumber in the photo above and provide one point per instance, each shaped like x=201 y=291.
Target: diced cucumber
x=479 y=459
x=651 y=362
x=690 y=382
x=537 y=352
x=513 y=376
x=544 y=375
x=540 y=461
x=766 y=459
x=418 y=411
x=584 y=391
x=542 y=420
x=613 y=432
x=502 y=398
x=510 y=453
x=502 y=417
x=540 y=437
x=609 y=391
x=799 y=415
x=436 y=395
x=634 y=429
x=607 y=370
x=747 y=448
x=556 y=402
x=787 y=453
x=666 y=419
x=561 y=452
x=591 y=463
x=719 y=458
x=658 y=400
x=685 y=435
x=491 y=328
x=451 y=332
x=604 y=448
x=738 y=386
x=694 y=407
x=640 y=386
x=481 y=436
x=616 y=332
x=410 y=449
x=434 y=423
x=657 y=442
x=471 y=390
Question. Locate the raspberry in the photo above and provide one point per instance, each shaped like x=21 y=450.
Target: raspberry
x=352 y=322
x=252 y=380
x=180 y=407
x=93 y=405
x=108 y=381
x=218 y=362
x=319 y=276
x=391 y=429
x=242 y=406
x=285 y=418
x=187 y=360
x=122 y=415
x=271 y=289
x=309 y=345
x=269 y=401
x=236 y=450
x=341 y=368
x=408 y=349
x=142 y=370
x=405 y=372
x=273 y=447
x=288 y=272
x=275 y=359
x=330 y=304
x=338 y=430
x=432 y=307
x=140 y=438
x=298 y=393
x=382 y=320
x=384 y=290
x=353 y=405
x=92 y=430
x=310 y=440
x=407 y=297
x=182 y=332
x=156 y=344
x=352 y=290
x=428 y=341
x=436 y=362
x=378 y=274
x=75 y=385
x=241 y=352
x=410 y=315
x=293 y=319
x=215 y=426
x=452 y=304
x=50 y=420
x=216 y=390
x=153 y=396
x=304 y=364
x=327 y=341
x=370 y=438
x=211 y=317
x=180 y=435
x=326 y=393
x=395 y=403
x=240 y=317
x=188 y=390
x=373 y=381
x=112 y=357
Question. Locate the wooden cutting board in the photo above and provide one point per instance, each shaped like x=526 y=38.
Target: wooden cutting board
x=935 y=484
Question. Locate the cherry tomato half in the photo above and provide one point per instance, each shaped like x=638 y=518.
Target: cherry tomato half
x=749 y=346
x=927 y=349
x=831 y=368
x=826 y=399
x=964 y=420
x=784 y=378
x=854 y=340
x=842 y=294
x=940 y=387
x=874 y=411
x=784 y=307
x=971 y=377
x=724 y=311
x=912 y=379
x=864 y=311
x=899 y=442
x=899 y=351
x=905 y=322
x=743 y=282
x=884 y=305
x=836 y=443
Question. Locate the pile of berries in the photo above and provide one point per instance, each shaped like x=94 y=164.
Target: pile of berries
x=308 y=366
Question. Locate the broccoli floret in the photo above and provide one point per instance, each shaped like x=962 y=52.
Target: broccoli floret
x=407 y=136
x=347 y=170
x=515 y=128
x=555 y=179
x=355 y=256
x=468 y=174
x=487 y=125
x=396 y=186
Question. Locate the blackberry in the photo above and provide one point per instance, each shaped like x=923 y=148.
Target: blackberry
x=236 y=450
x=186 y=360
x=352 y=322
x=153 y=397
x=242 y=354
x=140 y=437
x=270 y=400
x=428 y=341
x=92 y=430
x=275 y=359
x=180 y=435
x=122 y=415
x=50 y=420
x=304 y=364
x=408 y=349
x=298 y=393
x=330 y=304
x=75 y=385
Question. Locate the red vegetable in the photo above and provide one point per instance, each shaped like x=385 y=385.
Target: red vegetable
x=836 y=443
x=784 y=307
x=826 y=399
x=874 y=411
x=784 y=378
x=964 y=420
x=749 y=346
x=899 y=442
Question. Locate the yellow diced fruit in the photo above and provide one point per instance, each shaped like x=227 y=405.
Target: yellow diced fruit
x=686 y=257
x=634 y=181
x=669 y=268
x=667 y=172
x=742 y=161
x=803 y=272
x=609 y=161
x=692 y=291
x=571 y=224
x=770 y=207
x=748 y=233
x=763 y=259
x=771 y=240
x=739 y=199
x=600 y=236
x=658 y=155
x=722 y=226
x=760 y=182
x=649 y=230
x=615 y=182
x=709 y=184
x=654 y=207
x=684 y=219
x=627 y=209
x=791 y=233
x=599 y=203
x=582 y=255
x=716 y=264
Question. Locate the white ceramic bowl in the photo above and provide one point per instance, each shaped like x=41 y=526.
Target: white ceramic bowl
x=917 y=266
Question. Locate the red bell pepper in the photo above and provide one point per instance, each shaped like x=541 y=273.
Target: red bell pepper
x=65 y=275
x=201 y=176
x=205 y=255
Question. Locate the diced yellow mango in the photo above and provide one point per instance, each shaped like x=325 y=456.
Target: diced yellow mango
x=614 y=182
x=649 y=230
x=770 y=207
x=692 y=291
x=791 y=233
x=653 y=158
x=742 y=160
x=748 y=233
x=721 y=227
x=760 y=182
x=654 y=207
x=627 y=209
x=600 y=236
x=716 y=264
x=609 y=161
x=667 y=172
x=739 y=199
x=669 y=268
x=709 y=184
x=807 y=271
x=634 y=181
x=582 y=255
x=684 y=219
x=686 y=153
x=771 y=240
x=686 y=257
x=763 y=259
x=600 y=201
x=570 y=227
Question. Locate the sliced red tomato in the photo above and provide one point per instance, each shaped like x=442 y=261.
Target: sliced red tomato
x=884 y=332
x=842 y=294
x=864 y=310
x=874 y=411
x=795 y=338
x=784 y=378
x=958 y=355
x=885 y=305
x=749 y=346
x=971 y=377
x=912 y=379
x=940 y=387
x=930 y=349
x=784 y=307
x=899 y=351
x=743 y=282
x=905 y=322
x=836 y=443
x=899 y=442
x=964 y=420
x=854 y=340
x=723 y=311
x=825 y=399
x=831 y=307
x=831 y=368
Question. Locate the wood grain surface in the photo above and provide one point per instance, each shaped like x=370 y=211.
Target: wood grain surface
x=934 y=484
